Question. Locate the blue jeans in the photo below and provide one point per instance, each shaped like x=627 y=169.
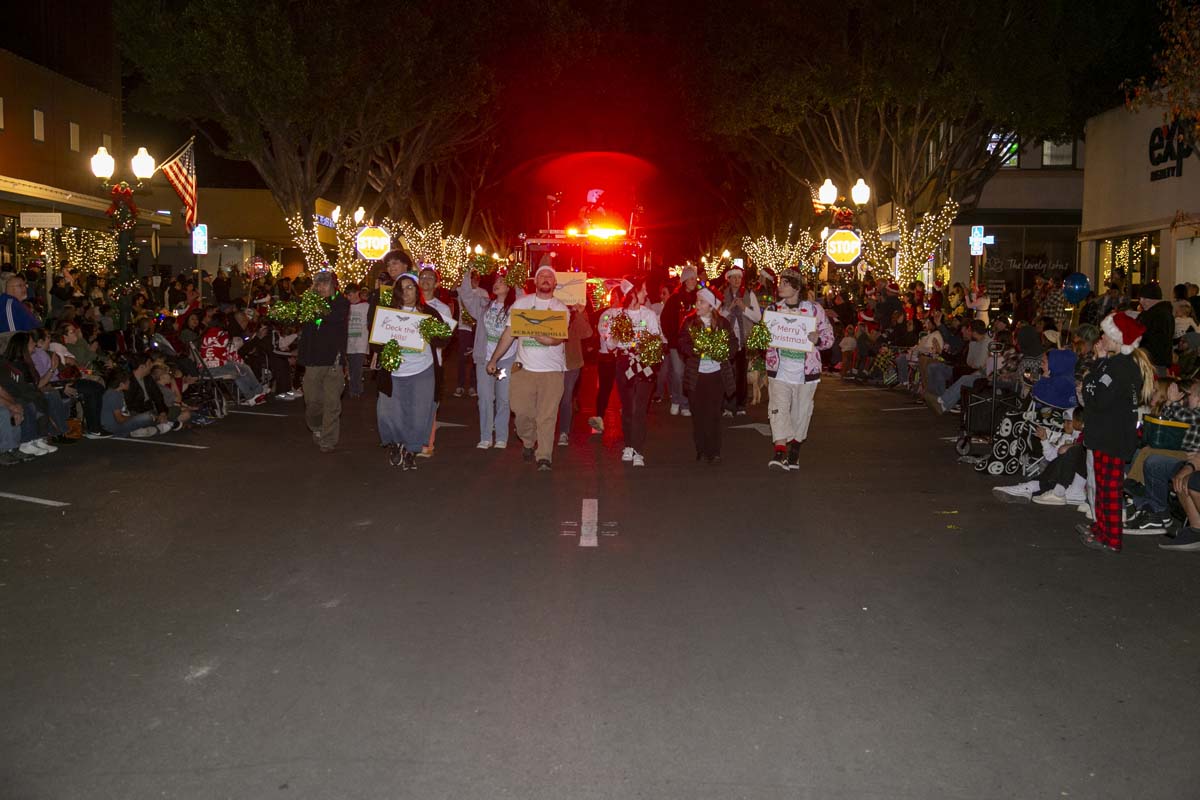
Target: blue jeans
x=1157 y=472
x=566 y=406
x=952 y=396
x=247 y=384
x=676 y=380
x=937 y=376
x=407 y=416
x=130 y=425
x=355 y=362
x=493 y=403
x=10 y=432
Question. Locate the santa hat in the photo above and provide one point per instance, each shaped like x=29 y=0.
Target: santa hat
x=893 y=288
x=545 y=268
x=708 y=297
x=768 y=273
x=866 y=317
x=937 y=284
x=1121 y=327
x=688 y=273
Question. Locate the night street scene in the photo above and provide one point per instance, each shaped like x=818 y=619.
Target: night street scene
x=712 y=400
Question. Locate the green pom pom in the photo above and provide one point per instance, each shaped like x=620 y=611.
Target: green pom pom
x=385 y=296
x=286 y=311
x=759 y=338
x=648 y=348
x=390 y=358
x=516 y=275
x=711 y=343
x=431 y=328
x=599 y=294
x=484 y=265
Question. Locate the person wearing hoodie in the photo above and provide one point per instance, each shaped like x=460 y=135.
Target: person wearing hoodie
x=678 y=306
x=1112 y=392
x=1158 y=317
x=1057 y=388
x=793 y=376
x=491 y=318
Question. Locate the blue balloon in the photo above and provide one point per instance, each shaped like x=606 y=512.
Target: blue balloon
x=1076 y=287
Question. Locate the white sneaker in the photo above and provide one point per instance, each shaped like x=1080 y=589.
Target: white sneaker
x=727 y=413
x=484 y=445
x=674 y=409
x=685 y=412
x=1085 y=509
x=45 y=445
x=500 y=445
x=1015 y=494
x=1050 y=499
x=164 y=427
x=31 y=449
x=638 y=460
x=144 y=433
x=563 y=440
x=1076 y=500
x=627 y=454
x=297 y=393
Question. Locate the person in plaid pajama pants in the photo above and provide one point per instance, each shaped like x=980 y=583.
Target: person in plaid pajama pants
x=1112 y=392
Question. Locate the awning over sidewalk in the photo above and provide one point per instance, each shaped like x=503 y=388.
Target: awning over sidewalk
x=21 y=195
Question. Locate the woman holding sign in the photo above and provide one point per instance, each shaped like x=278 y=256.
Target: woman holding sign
x=407 y=378
x=793 y=372
x=491 y=318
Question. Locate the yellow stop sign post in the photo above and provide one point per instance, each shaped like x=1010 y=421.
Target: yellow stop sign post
x=843 y=247
x=373 y=242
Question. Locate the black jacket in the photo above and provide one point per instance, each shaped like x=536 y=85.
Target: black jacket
x=1110 y=398
x=323 y=345
x=148 y=400
x=1159 y=320
x=691 y=370
x=674 y=310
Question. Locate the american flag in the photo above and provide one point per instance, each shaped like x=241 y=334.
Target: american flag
x=180 y=172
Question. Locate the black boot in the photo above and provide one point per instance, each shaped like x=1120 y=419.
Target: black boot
x=793 y=458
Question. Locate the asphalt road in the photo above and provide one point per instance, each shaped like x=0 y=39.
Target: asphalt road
x=255 y=619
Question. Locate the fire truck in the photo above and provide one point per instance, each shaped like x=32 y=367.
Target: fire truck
x=598 y=242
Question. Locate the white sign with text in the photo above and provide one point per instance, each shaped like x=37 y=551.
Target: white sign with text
x=790 y=331
x=400 y=326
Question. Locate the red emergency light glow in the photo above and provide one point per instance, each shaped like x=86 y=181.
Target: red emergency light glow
x=598 y=233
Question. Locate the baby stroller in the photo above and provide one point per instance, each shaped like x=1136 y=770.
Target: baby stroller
x=1015 y=448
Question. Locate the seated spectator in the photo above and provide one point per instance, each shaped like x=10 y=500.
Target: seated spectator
x=1173 y=403
x=144 y=396
x=848 y=346
x=1184 y=321
x=42 y=399
x=115 y=416
x=978 y=365
x=1063 y=481
x=14 y=314
x=220 y=356
x=1057 y=388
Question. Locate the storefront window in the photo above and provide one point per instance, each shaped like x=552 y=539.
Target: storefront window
x=1011 y=149
x=1058 y=155
x=1129 y=260
x=1019 y=254
x=8 y=234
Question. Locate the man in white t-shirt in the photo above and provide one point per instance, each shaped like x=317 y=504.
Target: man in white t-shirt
x=537 y=379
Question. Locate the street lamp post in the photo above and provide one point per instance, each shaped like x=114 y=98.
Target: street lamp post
x=123 y=211
x=841 y=217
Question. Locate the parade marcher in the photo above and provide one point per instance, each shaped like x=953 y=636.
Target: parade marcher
x=741 y=308
x=578 y=330
x=634 y=385
x=1120 y=382
x=322 y=352
x=706 y=380
x=429 y=279
x=537 y=376
x=464 y=334
x=491 y=318
x=793 y=376
x=606 y=359
x=678 y=305
x=405 y=406
x=357 y=335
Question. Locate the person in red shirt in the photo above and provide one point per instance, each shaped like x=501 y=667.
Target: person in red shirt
x=219 y=352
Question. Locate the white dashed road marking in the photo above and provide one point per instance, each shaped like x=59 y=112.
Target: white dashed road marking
x=152 y=441
x=35 y=500
x=587 y=532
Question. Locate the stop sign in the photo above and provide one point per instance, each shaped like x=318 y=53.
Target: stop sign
x=373 y=243
x=843 y=247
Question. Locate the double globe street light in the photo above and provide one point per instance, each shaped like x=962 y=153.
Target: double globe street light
x=123 y=211
x=860 y=193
